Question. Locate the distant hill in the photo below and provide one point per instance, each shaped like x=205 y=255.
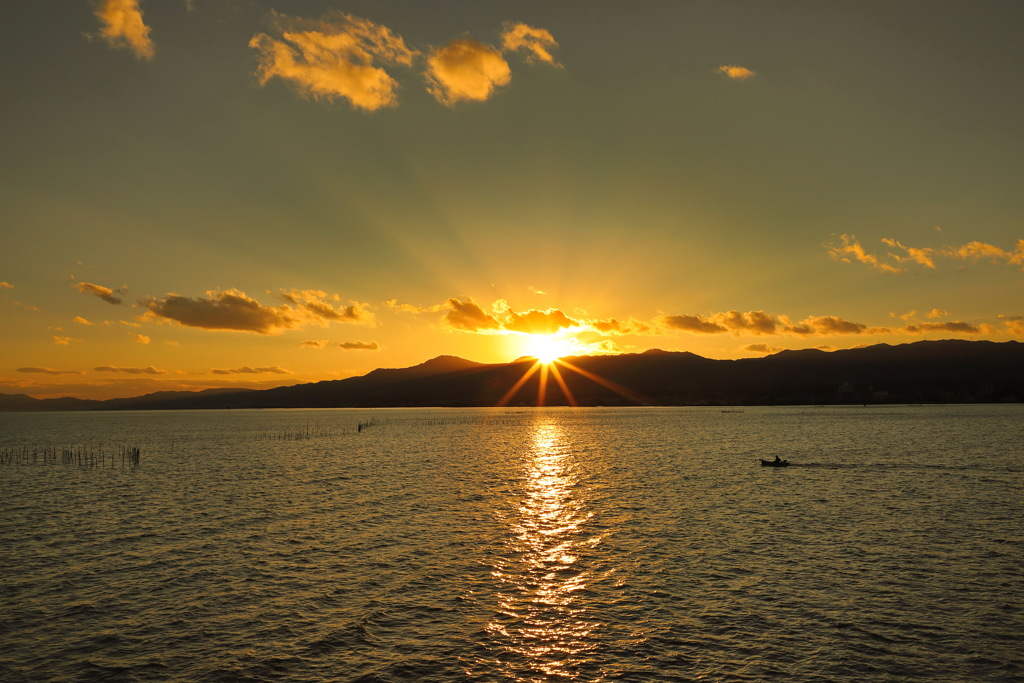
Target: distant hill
x=949 y=371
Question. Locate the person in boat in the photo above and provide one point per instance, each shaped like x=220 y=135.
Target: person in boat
x=777 y=460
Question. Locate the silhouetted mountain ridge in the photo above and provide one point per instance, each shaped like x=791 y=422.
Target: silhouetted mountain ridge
x=950 y=371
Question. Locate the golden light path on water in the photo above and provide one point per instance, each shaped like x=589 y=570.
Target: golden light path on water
x=543 y=622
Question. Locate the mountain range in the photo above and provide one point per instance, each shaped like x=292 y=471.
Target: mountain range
x=949 y=371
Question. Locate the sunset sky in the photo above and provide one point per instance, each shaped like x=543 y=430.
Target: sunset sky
x=206 y=193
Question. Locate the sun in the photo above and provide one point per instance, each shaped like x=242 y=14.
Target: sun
x=547 y=348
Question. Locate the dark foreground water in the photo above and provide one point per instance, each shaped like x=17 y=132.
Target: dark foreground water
x=514 y=545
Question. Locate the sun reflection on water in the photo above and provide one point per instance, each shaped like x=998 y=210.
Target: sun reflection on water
x=543 y=624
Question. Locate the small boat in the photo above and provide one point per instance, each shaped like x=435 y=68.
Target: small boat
x=774 y=463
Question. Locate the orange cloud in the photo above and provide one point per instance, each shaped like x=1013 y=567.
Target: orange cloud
x=538 y=322
x=234 y=310
x=976 y=250
x=465 y=69
x=359 y=346
x=851 y=249
x=105 y=293
x=922 y=256
x=956 y=327
x=64 y=341
x=333 y=57
x=410 y=308
x=80 y=320
x=691 y=323
x=735 y=73
x=762 y=348
x=50 y=371
x=6 y=285
x=613 y=326
x=141 y=338
x=230 y=310
x=469 y=317
x=536 y=41
x=131 y=371
x=752 y=322
x=123 y=27
x=311 y=301
x=760 y=323
x=246 y=370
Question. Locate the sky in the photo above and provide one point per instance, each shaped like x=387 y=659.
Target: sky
x=244 y=193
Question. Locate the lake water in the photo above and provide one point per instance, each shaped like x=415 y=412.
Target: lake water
x=634 y=544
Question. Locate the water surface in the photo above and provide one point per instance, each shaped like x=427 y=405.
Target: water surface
x=634 y=544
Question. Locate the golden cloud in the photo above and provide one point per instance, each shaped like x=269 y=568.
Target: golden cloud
x=408 y=308
x=916 y=255
x=6 y=285
x=955 y=327
x=735 y=73
x=469 y=317
x=359 y=346
x=762 y=348
x=850 y=250
x=538 y=322
x=976 y=250
x=465 y=69
x=64 y=341
x=230 y=310
x=50 y=371
x=234 y=310
x=80 y=320
x=613 y=326
x=333 y=57
x=131 y=371
x=246 y=370
x=759 y=323
x=141 y=338
x=312 y=303
x=536 y=41
x=123 y=27
x=105 y=293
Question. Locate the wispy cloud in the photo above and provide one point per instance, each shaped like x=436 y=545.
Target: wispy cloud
x=64 y=341
x=141 y=338
x=922 y=256
x=234 y=310
x=537 y=42
x=735 y=73
x=6 y=285
x=465 y=69
x=246 y=370
x=50 y=371
x=106 y=293
x=336 y=56
x=80 y=320
x=150 y=370
x=123 y=26
x=316 y=304
x=849 y=250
